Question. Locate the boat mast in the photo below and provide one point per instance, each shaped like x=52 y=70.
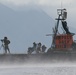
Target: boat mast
x=62 y=15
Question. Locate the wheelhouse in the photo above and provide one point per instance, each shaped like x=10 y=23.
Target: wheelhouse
x=63 y=41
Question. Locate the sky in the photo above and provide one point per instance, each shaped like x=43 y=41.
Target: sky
x=38 y=2
x=47 y=6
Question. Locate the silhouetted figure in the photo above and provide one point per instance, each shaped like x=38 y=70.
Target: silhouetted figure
x=6 y=42
x=38 y=48
x=32 y=49
x=43 y=48
x=34 y=46
x=64 y=24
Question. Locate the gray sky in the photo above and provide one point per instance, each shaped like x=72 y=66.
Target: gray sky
x=49 y=6
x=38 y=2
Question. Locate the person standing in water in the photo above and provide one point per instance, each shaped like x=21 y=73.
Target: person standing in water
x=6 y=42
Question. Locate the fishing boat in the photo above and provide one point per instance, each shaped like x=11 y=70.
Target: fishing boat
x=62 y=42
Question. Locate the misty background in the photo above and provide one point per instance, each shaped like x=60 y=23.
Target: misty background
x=27 y=22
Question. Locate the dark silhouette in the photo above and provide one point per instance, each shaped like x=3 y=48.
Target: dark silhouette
x=34 y=45
x=39 y=48
x=32 y=49
x=43 y=48
x=64 y=24
x=5 y=43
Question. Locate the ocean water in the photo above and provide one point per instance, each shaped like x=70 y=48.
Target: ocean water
x=38 y=69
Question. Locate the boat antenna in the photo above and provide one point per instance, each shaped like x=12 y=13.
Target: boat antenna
x=61 y=5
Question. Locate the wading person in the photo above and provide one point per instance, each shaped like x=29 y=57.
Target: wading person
x=43 y=48
x=39 y=48
x=6 y=42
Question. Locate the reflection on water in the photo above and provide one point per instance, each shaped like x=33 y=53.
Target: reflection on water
x=38 y=70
